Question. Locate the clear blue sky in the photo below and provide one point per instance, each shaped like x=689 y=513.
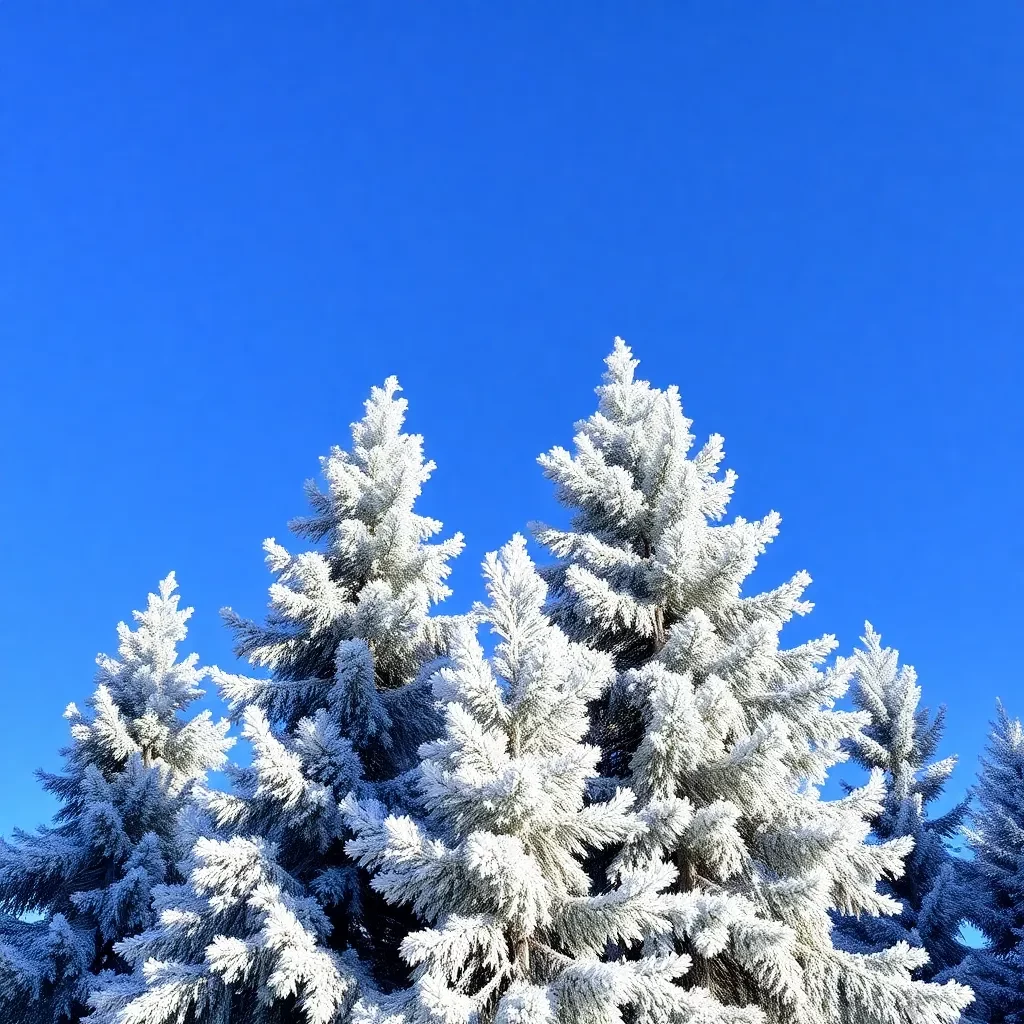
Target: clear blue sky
x=221 y=223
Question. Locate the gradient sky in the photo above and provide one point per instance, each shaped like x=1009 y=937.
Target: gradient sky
x=222 y=223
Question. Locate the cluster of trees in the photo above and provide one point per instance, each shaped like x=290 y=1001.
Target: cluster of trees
x=614 y=813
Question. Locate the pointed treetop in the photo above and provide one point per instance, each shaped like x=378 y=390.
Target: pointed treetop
x=375 y=483
x=147 y=676
x=382 y=422
x=130 y=772
x=725 y=734
x=621 y=364
x=899 y=739
x=373 y=577
x=902 y=735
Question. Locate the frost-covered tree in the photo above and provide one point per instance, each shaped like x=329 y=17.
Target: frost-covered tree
x=900 y=741
x=73 y=889
x=494 y=864
x=275 y=923
x=993 y=893
x=724 y=735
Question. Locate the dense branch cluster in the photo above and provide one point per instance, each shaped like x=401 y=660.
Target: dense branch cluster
x=596 y=798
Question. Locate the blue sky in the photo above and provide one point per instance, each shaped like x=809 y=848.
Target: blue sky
x=222 y=223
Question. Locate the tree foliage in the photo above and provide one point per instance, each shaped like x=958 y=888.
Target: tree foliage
x=74 y=889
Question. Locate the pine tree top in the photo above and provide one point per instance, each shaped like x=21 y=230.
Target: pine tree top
x=900 y=738
x=372 y=579
x=725 y=735
x=130 y=768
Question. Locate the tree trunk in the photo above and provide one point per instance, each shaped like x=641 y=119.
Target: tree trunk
x=699 y=974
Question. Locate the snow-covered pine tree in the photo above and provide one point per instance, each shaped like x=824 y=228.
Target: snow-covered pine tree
x=72 y=890
x=993 y=893
x=725 y=736
x=494 y=864
x=900 y=741
x=275 y=923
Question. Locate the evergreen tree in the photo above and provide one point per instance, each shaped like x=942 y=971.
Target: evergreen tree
x=993 y=893
x=900 y=740
x=494 y=864
x=275 y=923
x=74 y=889
x=725 y=736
